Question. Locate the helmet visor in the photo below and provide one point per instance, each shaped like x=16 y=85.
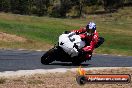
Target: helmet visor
x=90 y=31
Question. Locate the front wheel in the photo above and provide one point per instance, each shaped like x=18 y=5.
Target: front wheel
x=48 y=57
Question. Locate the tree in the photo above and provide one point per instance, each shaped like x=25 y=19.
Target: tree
x=41 y=7
x=23 y=6
x=81 y=4
x=112 y=5
x=15 y=6
x=59 y=8
x=65 y=5
x=5 y=5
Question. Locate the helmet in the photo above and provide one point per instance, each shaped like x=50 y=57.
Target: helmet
x=91 y=27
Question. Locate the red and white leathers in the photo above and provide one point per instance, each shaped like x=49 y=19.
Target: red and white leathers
x=91 y=40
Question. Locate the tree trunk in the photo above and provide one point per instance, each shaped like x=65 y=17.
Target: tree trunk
x=80 y=11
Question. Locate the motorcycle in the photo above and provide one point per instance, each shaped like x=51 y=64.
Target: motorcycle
x=67 y=50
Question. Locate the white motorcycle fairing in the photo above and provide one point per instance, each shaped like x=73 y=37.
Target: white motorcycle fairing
x=67 y=41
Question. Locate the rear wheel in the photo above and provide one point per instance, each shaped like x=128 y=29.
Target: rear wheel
x=48 y=57
x=77 y=62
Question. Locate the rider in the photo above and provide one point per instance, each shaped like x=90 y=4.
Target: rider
x=91 y=38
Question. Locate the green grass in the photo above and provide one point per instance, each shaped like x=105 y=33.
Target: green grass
x=34 y=30
x=116 y=28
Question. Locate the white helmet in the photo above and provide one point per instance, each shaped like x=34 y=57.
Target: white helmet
x=91 y=27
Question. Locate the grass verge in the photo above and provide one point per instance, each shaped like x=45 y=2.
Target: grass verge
x=63 y=80
x=116 y=28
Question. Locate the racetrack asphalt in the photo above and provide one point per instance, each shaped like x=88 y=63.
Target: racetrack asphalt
x=14 y=60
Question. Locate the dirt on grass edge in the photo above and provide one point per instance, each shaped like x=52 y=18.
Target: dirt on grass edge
x=62 y=80
x=11 y=38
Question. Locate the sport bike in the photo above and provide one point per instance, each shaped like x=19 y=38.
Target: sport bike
x=68 y=49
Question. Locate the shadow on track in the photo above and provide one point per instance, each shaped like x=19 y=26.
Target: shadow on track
x=69 y=64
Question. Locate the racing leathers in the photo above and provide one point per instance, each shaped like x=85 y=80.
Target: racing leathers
x=90 y=40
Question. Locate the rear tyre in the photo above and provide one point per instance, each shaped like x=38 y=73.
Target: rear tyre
x=77 y=62
x=48 y=57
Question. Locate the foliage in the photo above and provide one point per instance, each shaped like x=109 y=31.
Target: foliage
x=59 y=8
x=40 y=31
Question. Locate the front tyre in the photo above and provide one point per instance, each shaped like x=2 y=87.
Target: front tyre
x=48 y=57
